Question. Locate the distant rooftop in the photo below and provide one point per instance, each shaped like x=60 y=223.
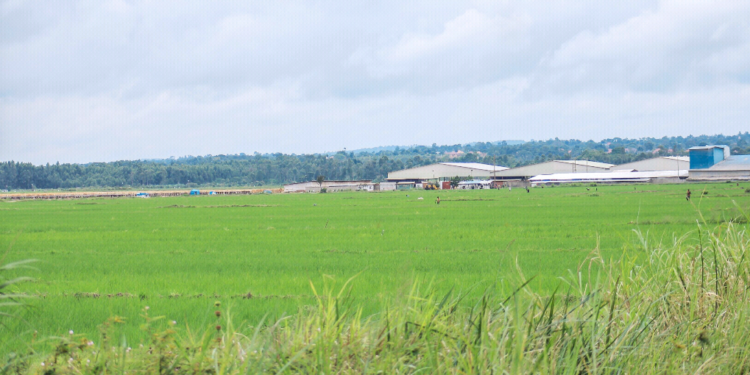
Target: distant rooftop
x=588 y=163
x=733 y=163
x=707 y=147
x=477 y=166
x=678 y=158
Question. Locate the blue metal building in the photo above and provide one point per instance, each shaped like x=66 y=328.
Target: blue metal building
x=714 y=163
x=702 y=157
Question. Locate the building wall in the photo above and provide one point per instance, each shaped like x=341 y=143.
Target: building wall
x=705 y=158
x=387 y=186
x=549 y=167
x=718 y=175
x=656 y=164
x=314 y=186
x=435 y=171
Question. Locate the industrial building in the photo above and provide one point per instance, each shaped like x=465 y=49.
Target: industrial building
x=610 y=177
x=551 y=167
x=330 y=186
x=662 y=163
x=714 y=163
x=445 y=171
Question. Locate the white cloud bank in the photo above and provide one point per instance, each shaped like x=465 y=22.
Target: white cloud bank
x=100 y=81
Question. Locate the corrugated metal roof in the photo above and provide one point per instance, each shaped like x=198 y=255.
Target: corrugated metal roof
x=587 y=162
x=707 y=147
x=618 y=175
x=661 y=163
x=733 y=163
x=477 y=166
x=555 y=166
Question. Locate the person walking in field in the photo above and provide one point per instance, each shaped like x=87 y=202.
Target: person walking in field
x=437 y=201
x=688 y=195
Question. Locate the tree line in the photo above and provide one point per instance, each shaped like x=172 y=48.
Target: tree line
x=274 y=169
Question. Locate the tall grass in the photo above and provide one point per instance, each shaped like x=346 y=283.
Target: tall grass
x=662 y=307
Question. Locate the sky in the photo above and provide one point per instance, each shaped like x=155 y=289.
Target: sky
x=88 y=81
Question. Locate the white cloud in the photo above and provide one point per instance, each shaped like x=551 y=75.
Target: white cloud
x=85 y=81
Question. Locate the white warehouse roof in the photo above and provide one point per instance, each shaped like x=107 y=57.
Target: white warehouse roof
x=617 y=176
x=663 y=163
x=556 y=166
x=446 y=170
x=478 y=166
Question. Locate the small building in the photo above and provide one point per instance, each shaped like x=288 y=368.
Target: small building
x=330 y=186
x=195 y=192
x=445 y=171
x=387 y=186
x=367 y=187
x=474 y=184
x=551 y=167
x=702 y=157
x=663 y=163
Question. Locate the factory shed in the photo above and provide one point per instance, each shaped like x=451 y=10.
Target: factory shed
x=330 y=186
x=702 y=157
x=663 y=163
x=445 y=171
x=610 y=177
x=735 y=167
x=551 y=167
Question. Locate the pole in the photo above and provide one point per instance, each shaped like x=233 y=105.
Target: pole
x=494 y=165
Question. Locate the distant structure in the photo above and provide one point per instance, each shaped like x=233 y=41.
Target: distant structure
x=330 y=186
x=610 y=177
x=703 y=157
x=554 y=166
x=663 y=163
x=444 y=172
x=715 y=163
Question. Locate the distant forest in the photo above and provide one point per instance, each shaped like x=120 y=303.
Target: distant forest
x=275 y=169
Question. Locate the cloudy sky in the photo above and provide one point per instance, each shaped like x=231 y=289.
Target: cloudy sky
x=110 y=80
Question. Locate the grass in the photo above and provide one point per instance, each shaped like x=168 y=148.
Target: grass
x=677 y=307
x=117 y=256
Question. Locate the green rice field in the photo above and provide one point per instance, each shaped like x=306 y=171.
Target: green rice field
x=259 y=254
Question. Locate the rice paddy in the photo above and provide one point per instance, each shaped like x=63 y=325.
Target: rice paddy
x=259 y=254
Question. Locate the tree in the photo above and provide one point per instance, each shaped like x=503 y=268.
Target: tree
x=455 y=181
x=320 y=180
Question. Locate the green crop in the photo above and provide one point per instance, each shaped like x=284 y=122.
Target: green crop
x=101 y=258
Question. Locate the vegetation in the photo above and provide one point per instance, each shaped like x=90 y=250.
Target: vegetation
x=105 y=257
x=257 y=169
x=663 y=304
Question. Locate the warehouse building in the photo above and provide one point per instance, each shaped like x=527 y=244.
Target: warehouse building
x=445 y=171
x=551 y=167
x=330 y=186
x=610 y=177
x=663 y=163
x=714 y=163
